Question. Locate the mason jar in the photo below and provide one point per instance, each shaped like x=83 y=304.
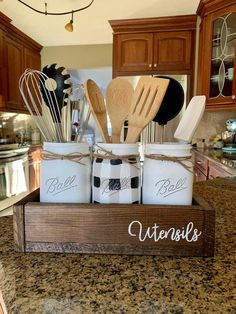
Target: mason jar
x=167 y=174
x=116 y=174
x=65 y=173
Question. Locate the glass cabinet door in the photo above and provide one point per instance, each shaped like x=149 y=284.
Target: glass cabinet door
x=223 y=56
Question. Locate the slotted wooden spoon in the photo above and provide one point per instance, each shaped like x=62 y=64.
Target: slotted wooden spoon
x=119 y=95
x=97 y=107
x=146 y=102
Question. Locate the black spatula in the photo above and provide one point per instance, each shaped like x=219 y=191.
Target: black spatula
x=171 y=104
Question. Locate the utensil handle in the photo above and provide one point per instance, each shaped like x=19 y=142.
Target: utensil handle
x=59 y=132
x=115 y=138
x=162 y=133
x=106 y=137
x=132 y=135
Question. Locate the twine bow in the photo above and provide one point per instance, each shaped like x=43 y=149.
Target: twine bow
x=74 y=157
x=106 y=154
x=179 y=160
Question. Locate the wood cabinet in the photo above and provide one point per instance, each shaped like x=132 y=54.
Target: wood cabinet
x=154 y=45
x=34 y=167
x=207 y=169
x=217 y=50
x=13 y=51
x=134 y=52
x=18 y=52
x=215 y=171
x=200 y=168
x=173 y=50
x=198 y=175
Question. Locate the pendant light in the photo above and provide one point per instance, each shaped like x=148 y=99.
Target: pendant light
x=68 y=26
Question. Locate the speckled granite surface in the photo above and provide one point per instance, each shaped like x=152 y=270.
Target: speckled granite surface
x=61 y=284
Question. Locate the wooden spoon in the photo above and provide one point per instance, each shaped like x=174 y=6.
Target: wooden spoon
x=146 y=102
x=119 y=95
x=97 y=106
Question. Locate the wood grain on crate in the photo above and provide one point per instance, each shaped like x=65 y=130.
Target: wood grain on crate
x=103 y=228
x=19 y=220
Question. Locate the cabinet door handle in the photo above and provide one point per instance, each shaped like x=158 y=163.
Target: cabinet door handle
x=150 y=65
x=155 y=65
x=199 y=162
x=233 y=96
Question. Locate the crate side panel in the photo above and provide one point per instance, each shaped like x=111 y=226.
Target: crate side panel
x=114 y=225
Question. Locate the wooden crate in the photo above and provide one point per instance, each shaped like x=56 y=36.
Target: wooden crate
x=114 y=229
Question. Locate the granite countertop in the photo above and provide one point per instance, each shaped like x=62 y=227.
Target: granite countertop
x=225 y=160
x=75 y=283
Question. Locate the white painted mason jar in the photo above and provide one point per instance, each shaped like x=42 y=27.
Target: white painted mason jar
x=65 y=173
x=116 y=174
x=167 y=174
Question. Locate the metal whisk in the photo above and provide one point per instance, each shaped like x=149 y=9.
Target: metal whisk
x=51 y=112
x=38 y=94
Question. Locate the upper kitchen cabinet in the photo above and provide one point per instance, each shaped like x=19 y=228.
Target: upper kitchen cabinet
x=154 y=45
x=217 y=46
x=13 y=70
x=18 y=52
x=133 y=52
x=172 y=51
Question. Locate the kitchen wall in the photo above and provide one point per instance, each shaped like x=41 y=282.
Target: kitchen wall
x=78 y=57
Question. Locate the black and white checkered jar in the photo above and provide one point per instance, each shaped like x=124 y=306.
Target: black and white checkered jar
x=116 y=174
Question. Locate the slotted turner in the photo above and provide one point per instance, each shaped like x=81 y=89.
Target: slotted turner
x=97 y=107
x=119 y=95
x=146 y=102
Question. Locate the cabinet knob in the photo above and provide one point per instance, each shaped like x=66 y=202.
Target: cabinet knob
x=233 y=96
x=155 y=65
x=150 y=65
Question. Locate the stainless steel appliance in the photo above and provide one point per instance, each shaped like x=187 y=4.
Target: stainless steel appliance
x=11 y=150
x=9 y=154
x=2 y=183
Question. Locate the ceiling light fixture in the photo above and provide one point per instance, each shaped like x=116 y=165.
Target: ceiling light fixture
x=68 y=26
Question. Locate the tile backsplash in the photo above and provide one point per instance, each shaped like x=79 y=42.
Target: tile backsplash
x=212 y=123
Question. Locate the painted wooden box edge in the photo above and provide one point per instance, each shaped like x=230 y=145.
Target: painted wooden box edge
x=30 y=216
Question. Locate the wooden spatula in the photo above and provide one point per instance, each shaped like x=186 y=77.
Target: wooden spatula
x=191 y=119
x=97 y=107
x=146 y=101
x=119 y=95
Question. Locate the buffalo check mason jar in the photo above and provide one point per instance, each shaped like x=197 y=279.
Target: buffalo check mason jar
x=116 y=174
